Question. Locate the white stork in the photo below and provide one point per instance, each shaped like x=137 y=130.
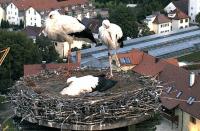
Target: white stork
x=63 y=28
x=87 y=84
x=111 y=35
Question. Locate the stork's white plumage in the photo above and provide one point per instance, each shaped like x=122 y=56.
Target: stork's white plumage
x=86 y=84
x=63 y=28
x=111 y=35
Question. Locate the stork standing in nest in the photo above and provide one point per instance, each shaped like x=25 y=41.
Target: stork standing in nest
x=63 y=28
x=111 y=35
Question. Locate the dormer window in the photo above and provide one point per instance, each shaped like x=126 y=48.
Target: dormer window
x=169 y=89
x=190 y=100
x=125 y=60
x=179 y=94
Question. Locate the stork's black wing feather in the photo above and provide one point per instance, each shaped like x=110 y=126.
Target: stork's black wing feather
x=84 y=34
x=104 y=84
x=120 y=41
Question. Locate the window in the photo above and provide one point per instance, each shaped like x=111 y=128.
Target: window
x=191 y=14
x=125 y=60
x=181 y=27
x=190 y=100
x=186 y=20
x=192 y=120
x=169 y=89
x=29 y=11
x=11 y=5
x=179 y=94
x=181 y=21
x=35 y=12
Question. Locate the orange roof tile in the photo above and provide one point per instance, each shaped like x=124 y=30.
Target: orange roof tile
x=160 y=18
x=37 y=68
x=44 y=4
x=146 y=64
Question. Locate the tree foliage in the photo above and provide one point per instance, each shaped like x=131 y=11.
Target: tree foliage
x=22 y=51
x=197 y=19
x=125 y=18
x=46 y=49
x=4 y=24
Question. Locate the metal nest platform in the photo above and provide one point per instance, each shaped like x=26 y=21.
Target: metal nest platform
x=132 y=100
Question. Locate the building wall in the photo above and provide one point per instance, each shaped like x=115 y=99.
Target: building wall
x=149 y=21
x=185 y=123
x=63 y=47
x=180 y=24
x=193 y=9
x=162 y=28
x=2 y=14
x=32 y=18
x=12 y=14
x=170 y=7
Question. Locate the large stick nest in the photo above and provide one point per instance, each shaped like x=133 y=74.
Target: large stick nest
x=37 y=97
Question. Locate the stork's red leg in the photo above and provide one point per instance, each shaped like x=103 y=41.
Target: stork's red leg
x=68 y=61
x=110 y=63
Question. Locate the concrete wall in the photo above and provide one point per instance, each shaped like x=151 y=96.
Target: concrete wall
x=32 y=18
x=193 y=9
x=12 y=14
x=184 y=122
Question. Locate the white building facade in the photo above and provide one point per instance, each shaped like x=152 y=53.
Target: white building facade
x=162 y=27
x=2 y=14
x=179 y=20
x=158 y=23
x=193 y=9
x=32 y=18
x=12 y=14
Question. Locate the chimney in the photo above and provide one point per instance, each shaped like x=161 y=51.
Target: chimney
x=192 y=79
x=78 y=57
x=43 y=65
x=146 y=51
x=156 y=60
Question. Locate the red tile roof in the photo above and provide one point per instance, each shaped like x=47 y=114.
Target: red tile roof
x=44 y=4
x=179 y=15
x=37 y=68
x=179 y=78
x=160 y=18
x=146 y=64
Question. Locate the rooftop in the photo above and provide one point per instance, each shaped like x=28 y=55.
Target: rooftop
x=44 y=4
x=177 y=90
x=160 y=18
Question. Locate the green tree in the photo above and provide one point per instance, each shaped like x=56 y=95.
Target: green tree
x=21 y=24
x=198 y=18
x=23 y=51
x=4 y=24
x=47 y=49
x=7 y=24
x=126 y=19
